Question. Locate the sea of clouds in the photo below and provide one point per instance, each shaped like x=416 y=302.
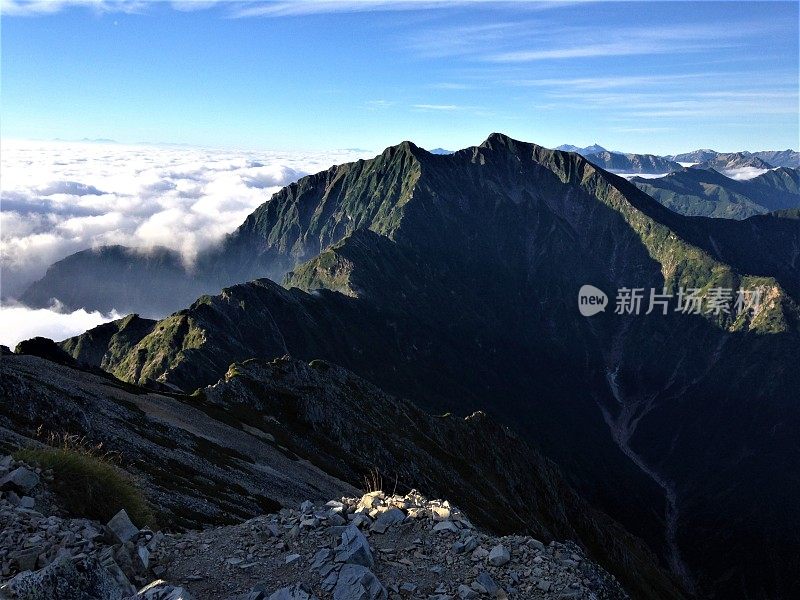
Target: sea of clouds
x=61 y=197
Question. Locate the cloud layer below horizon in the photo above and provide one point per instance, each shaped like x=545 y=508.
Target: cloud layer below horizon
x=18 y=322
x=62 y=197
x=59 y=198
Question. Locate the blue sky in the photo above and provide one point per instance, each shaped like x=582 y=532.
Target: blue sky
x=659 y=77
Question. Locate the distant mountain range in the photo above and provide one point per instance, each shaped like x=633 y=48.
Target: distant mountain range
x=734 y=161
x=632 y=163
x=652 y=164
x=618 y=162
x=593 y=149
x=771 y=158
x=708 y=193
x=452 y=280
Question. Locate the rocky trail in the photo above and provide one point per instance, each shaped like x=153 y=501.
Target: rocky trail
x=377 y=546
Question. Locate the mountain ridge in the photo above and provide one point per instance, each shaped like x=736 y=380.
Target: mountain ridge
x=455 y=292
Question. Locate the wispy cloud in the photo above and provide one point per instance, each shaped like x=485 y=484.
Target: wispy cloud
x=379 y=104
x=449 y=85
x=39 y=7
x=301 y=8
x=440 y=107
x=588 y=43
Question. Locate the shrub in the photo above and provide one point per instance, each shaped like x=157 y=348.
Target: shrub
x=86 y=483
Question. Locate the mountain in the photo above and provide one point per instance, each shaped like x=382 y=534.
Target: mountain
x=774 y=158
x=632 y=163
x=119 y=278
x=593 y=149
x=275 y=433
x=730 y=163
x=782 y=179
x=696 y=156
x=708 y=193
x=780 y=158
x=440 y=151
x=452 y=281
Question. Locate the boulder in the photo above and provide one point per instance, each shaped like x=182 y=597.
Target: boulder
x=295 y=592
x=354 y=548
x=62 y=580
x=19 y=480
x=356 y=582
x=498 y=556
x=122 y=527
x=445 y=526
x=386 y=519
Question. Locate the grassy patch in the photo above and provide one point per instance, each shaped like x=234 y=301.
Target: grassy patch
x=88 y=484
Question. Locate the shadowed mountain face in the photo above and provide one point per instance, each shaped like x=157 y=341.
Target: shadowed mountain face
x=453 y=280
x=279 y=432
x=118 y=278
x=708 y=193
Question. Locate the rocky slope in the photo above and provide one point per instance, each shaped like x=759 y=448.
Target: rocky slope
x=708 y=193
x=451 y=280
x=398 y=546
x=273 y=434
x=368 y=547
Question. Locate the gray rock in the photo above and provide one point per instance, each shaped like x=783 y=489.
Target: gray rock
x=462 y=546
x=445 y=526
x=19 y=480
x=62 y=579
x=335 y=519
x=330 y=581
x=26 y=559
x=27 y=502
x=321 y=557
x=467 y=593
x=295 y=592
x=408 y=588
x=306 y=507
x=144 y=556
x=386 y=519
x=499 y=556
x=534 y=543
x=356 y=582
x=122 y=527
x=161 y=590
x=485 y=580
x=354 y=548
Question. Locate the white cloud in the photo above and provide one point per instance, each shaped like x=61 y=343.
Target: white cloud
x=60 y=197
x=18 y=322
x=446 y=107
x=743 y=172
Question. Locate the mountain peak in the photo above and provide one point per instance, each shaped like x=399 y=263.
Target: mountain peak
x=499 y=139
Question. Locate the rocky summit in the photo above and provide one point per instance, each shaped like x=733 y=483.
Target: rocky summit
x=374 y=547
